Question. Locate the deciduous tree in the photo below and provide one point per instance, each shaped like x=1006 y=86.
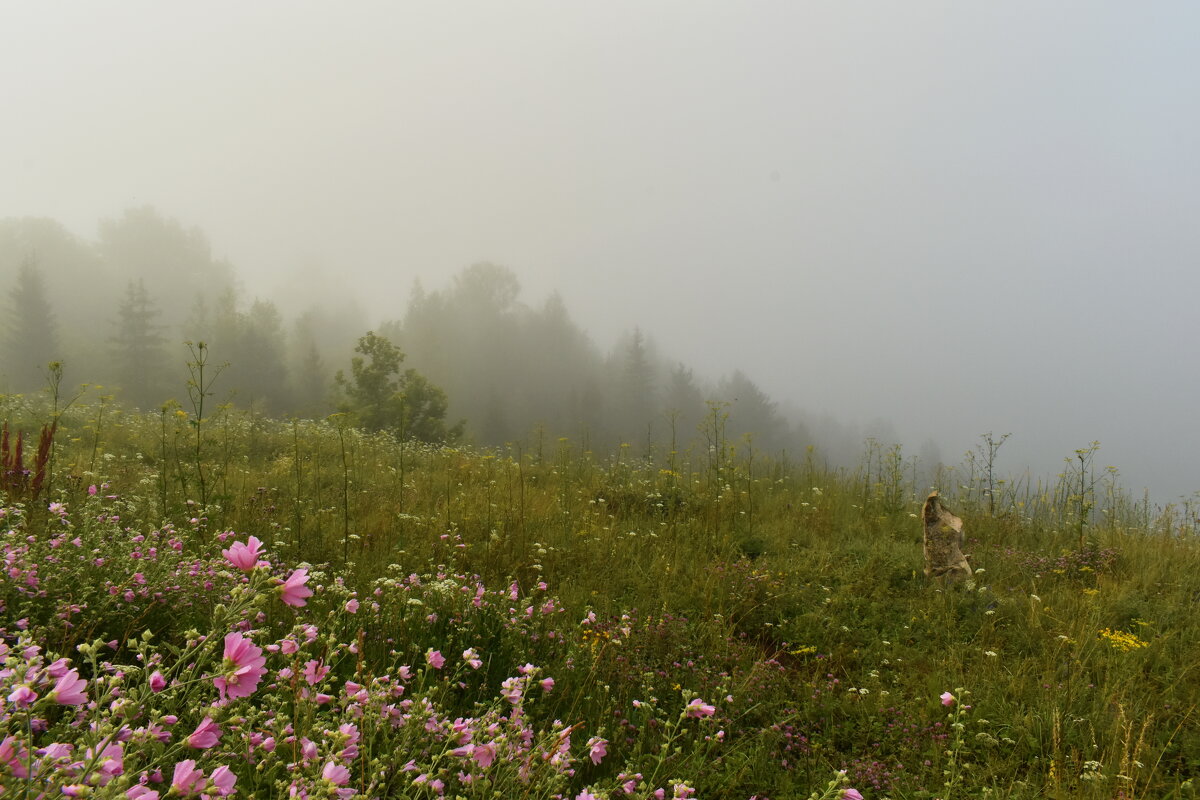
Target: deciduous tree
x=381 y=397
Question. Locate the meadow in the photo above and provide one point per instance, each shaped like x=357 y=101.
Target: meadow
x=222 y=604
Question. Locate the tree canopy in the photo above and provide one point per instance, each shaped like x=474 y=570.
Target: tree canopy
x=381 y=397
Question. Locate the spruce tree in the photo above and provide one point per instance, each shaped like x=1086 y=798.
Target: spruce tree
x=137 y=344
x=31 y=336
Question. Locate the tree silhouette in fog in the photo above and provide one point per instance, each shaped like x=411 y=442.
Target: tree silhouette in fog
x=138 y=355
x=381 y=397
x=31 y=336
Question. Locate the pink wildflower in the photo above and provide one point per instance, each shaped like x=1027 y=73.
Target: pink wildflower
x=243 y=667
x=851 y=794
x=22 y=696
x=947 y=699
x=55 y=751
x=157 y=682
x=472 y=658
x=699 y=708
x=352 y=606
x=293 y=591
x=435 y=658
x=597 y=749
x=140 y=792
x=14 y=755
x=187 y=779
x=350 y=751
x=222 y=780
x=547 y=684
x=511 y=690
x=335 y=773
x=484 y=754
x=207 y=734
x=109 y=764
x=243 y=556
x=315 y=672
x=70 y=690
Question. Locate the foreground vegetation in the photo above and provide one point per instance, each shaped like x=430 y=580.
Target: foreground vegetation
x=232 y=605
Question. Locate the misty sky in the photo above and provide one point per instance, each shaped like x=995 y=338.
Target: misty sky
x=959 y=217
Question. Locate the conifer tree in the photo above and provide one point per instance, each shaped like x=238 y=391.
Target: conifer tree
x=636 y=402
x=683 y=405
x=137 y=344
x=31 y=336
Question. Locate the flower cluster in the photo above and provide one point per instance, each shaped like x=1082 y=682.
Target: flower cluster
x=235 y=710
x=1122 y=640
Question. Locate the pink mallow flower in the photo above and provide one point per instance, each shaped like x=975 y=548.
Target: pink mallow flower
x=597 y=749
x=58 y=668
x=293 y=591
x=22 y=696
x=315 y=672
x=851 y=794
x=207 y=734
x=699 y=708
x=14 y=756
x=308 y=749
x=244 y=556
x=484 y=754
x=947 y=699
x=352 y=606
x=157 y=682
x=108 y=763
x=511 y=690
x=70 y=690
x=335 y=773
x=435 y=658
x=221 y=782
x=187 y=780
x=242 y=668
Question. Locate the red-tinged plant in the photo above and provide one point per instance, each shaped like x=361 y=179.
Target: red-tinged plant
x=45 y=443
x=12 y=463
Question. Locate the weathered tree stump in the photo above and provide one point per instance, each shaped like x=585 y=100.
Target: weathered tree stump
x=944 y=558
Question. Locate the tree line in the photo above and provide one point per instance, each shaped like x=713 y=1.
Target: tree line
x=469 y=360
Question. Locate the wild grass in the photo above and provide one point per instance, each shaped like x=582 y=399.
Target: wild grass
x=716 y=621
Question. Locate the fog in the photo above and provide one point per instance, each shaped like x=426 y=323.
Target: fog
x=925 y=220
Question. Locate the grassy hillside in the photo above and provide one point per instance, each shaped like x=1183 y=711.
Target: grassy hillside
x=546 y=622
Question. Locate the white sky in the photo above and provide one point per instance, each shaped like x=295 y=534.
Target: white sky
x=961 y=217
